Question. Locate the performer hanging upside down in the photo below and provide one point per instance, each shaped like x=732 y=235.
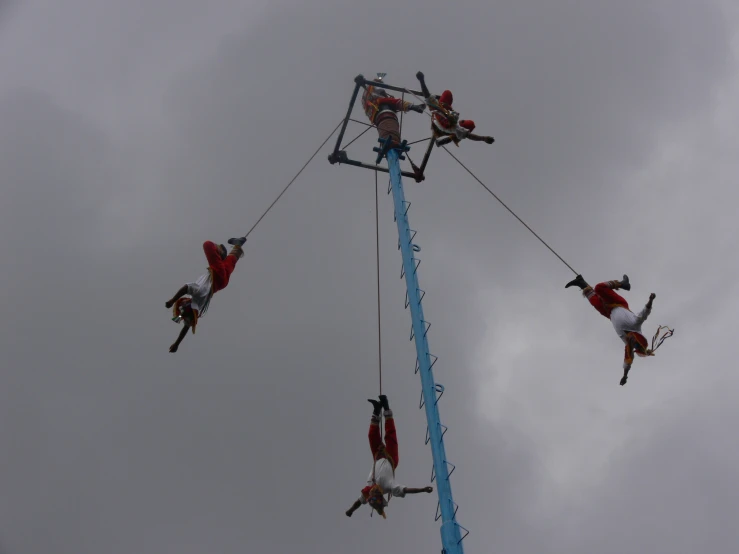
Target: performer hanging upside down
x=221 y=265
x=381 y=110
x=614 y=307
x=446 y=125
x=382 y=477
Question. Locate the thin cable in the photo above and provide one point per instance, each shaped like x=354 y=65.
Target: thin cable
x=419 y=140
x=377 y=246
x=356 y=139
x=361 y=122
x=293 y=179
x=510 y=210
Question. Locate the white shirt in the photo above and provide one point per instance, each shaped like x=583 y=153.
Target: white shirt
x=458 y=131
x=625 y=321
x=385 y=479
x=200 y=292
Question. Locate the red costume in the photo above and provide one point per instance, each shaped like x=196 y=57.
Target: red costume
x=220 y=268
x=446 y=125
x=626 y=323
x=381 y=109
x=387 y=450
x=446 y=121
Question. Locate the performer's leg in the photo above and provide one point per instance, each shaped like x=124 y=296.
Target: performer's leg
x=213 y=254
x=391 y=437
x=229 y=264
x=179 y=294
x=375 y=440
x=605 y=291
x=597 y=302
x=478 y=138
x=444 y=140
x=587 y=291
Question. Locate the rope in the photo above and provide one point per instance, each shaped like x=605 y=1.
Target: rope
x=510 y=210
x=356 y=138
x=419 y=140
x=293 y=179
x=425 y=101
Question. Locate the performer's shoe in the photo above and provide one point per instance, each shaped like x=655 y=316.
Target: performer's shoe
x=625 y=283
x=577 y=282
x=376 y=407
x=237 y=241
x=384 y=402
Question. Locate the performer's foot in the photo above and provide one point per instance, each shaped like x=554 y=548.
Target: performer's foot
x=443 y=141
x=489 y=140
x=385 y=403
x=237 y=241
x=169 y=303
x=577 y=282
x=420 y=76
x=625 y=283
x=623 y=380
x=376 y=406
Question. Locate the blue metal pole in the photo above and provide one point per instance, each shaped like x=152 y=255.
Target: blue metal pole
x=451 y=538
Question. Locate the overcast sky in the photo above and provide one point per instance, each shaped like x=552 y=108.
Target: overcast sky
x=134 y=131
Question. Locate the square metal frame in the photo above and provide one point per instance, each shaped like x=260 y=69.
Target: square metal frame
x=341 y=157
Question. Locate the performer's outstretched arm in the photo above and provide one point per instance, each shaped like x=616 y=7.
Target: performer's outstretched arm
x=644 y=314
x=354 y=508
x=410 y=490
x=185 y=329
x=424 y=88
x=179 y=294
x=627 y=368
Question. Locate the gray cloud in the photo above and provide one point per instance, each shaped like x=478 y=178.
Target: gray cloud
x=254 y=434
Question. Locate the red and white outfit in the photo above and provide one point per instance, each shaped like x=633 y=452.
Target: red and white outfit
x=626 y=323
x=448 y=123
x=381 y=109
x=386 y=459
x=216 y=279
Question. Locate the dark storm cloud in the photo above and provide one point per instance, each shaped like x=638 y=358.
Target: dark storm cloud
x=253 y=436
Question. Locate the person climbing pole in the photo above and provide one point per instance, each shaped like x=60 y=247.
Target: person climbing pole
x=446 y=125
x=189 y=309
x=381 y=480
x=381 y=109
x=626 y=323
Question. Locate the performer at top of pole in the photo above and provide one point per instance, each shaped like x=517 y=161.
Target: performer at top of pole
x=446 y=125
x=381 y=110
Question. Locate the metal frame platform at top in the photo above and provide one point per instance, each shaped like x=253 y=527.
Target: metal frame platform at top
x=340 y=156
